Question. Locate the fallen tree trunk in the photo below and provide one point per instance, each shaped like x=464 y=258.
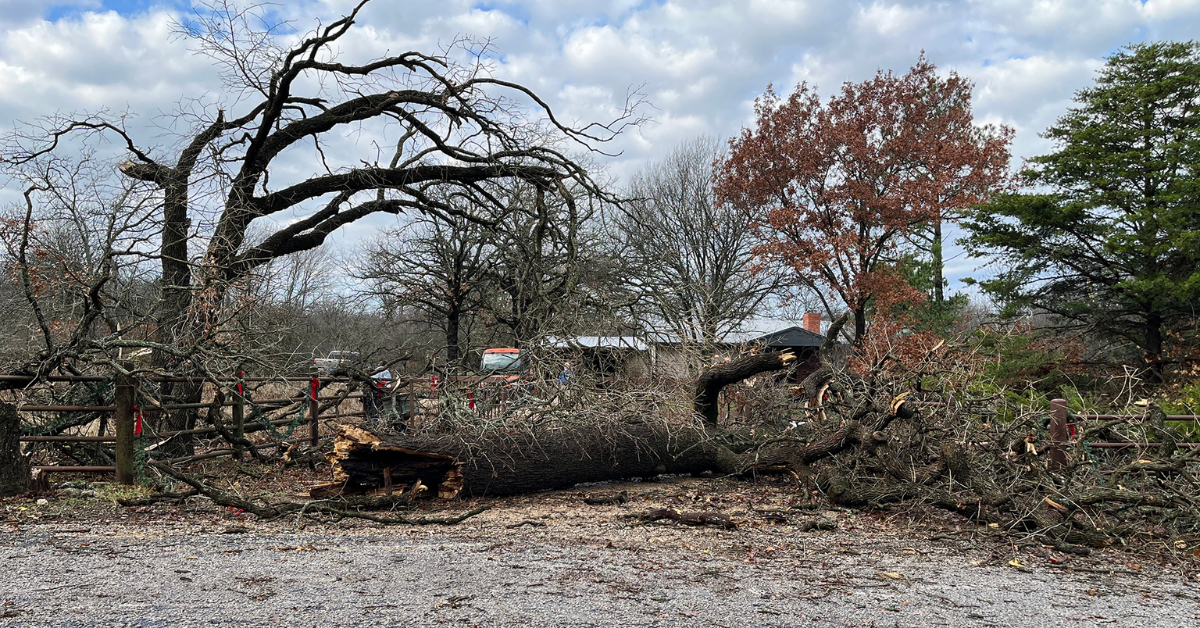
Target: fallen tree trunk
x=363 y=463
x=538 y=460
x=522 y=463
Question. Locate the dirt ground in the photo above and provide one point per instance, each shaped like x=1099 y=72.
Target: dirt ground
x=789 y=561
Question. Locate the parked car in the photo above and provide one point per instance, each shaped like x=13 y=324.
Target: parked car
x=334 y=360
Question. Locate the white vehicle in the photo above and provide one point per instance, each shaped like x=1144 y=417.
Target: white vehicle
x=334 y=360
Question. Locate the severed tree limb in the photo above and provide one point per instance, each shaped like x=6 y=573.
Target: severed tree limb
x=221 y=496
x=274 y=511
x=411 y=521
x=721 y=520
x=711 y=382
x=159 y=497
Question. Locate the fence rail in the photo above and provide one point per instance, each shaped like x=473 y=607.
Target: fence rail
x=124 y=416
x=1061 y=435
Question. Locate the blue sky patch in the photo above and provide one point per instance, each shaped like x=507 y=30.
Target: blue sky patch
x=515 y=11
x=55 y=12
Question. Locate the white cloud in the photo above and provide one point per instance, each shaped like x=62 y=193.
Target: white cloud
x=890 y=20
x=701 y=62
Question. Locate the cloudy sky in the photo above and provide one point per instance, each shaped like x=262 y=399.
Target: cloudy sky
x=700 y=63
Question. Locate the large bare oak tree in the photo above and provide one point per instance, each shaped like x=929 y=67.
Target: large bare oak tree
x=385 y=136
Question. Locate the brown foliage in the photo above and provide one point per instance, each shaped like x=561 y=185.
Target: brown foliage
x=835 y=185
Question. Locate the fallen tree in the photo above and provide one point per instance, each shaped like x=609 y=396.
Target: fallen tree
x=868 y=440
x=524 y=462
x=861 y=434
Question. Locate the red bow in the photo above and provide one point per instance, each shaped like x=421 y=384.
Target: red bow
x=313 y=388
x=137 y=426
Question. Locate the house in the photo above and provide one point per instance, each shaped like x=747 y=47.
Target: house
x=608 y=356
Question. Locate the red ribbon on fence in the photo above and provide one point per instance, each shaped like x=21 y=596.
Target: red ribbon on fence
x=241 y=391
x=137 y=415
x=433 y=383
x=313 y=388
x=470 y=399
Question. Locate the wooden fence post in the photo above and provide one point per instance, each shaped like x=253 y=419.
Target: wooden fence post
x=14 y=467
x=239 y=414
x=412 y=402
x=126 y=391
x=314 y=411
x=1058 y=433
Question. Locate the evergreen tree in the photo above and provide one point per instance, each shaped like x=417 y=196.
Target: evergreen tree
x=1111 y=238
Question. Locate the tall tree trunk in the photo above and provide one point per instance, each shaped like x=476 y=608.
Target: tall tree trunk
x=935 y=250
x=172 y=319
x=1154 y=347
x=452 y=357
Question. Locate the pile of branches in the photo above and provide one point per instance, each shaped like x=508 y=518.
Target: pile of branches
x=863 y=434
x=874 y=439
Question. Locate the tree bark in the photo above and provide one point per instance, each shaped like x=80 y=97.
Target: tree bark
x=860 y=324
x=452 y=318
x=935 y=249
x=1153 y=352
x=543 y=461
x=710 y=382
x=14 y=467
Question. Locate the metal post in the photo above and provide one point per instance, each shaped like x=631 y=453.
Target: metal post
x=239 y=415
x=123 y=422
x=1058 y=433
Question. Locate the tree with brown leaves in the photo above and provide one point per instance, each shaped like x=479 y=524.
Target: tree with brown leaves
x=837 y=186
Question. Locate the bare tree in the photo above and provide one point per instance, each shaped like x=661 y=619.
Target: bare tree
x=452 y=130
x=692 y=258
x=74 y=250
x=542 y=248
x=436 y=267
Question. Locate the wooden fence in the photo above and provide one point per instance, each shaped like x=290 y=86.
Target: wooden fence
x=127 y=420
x=490 y=392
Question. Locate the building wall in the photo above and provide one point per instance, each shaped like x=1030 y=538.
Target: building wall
x=671 y=361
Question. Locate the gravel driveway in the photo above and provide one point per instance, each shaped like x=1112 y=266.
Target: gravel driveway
x=65 y=575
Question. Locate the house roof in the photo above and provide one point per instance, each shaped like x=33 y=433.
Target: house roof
x=599 y=342
x=794 y=336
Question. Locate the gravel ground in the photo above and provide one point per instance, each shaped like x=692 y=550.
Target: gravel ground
x=544 y=561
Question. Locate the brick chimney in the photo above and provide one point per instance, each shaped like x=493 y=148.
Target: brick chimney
x=812 y=322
